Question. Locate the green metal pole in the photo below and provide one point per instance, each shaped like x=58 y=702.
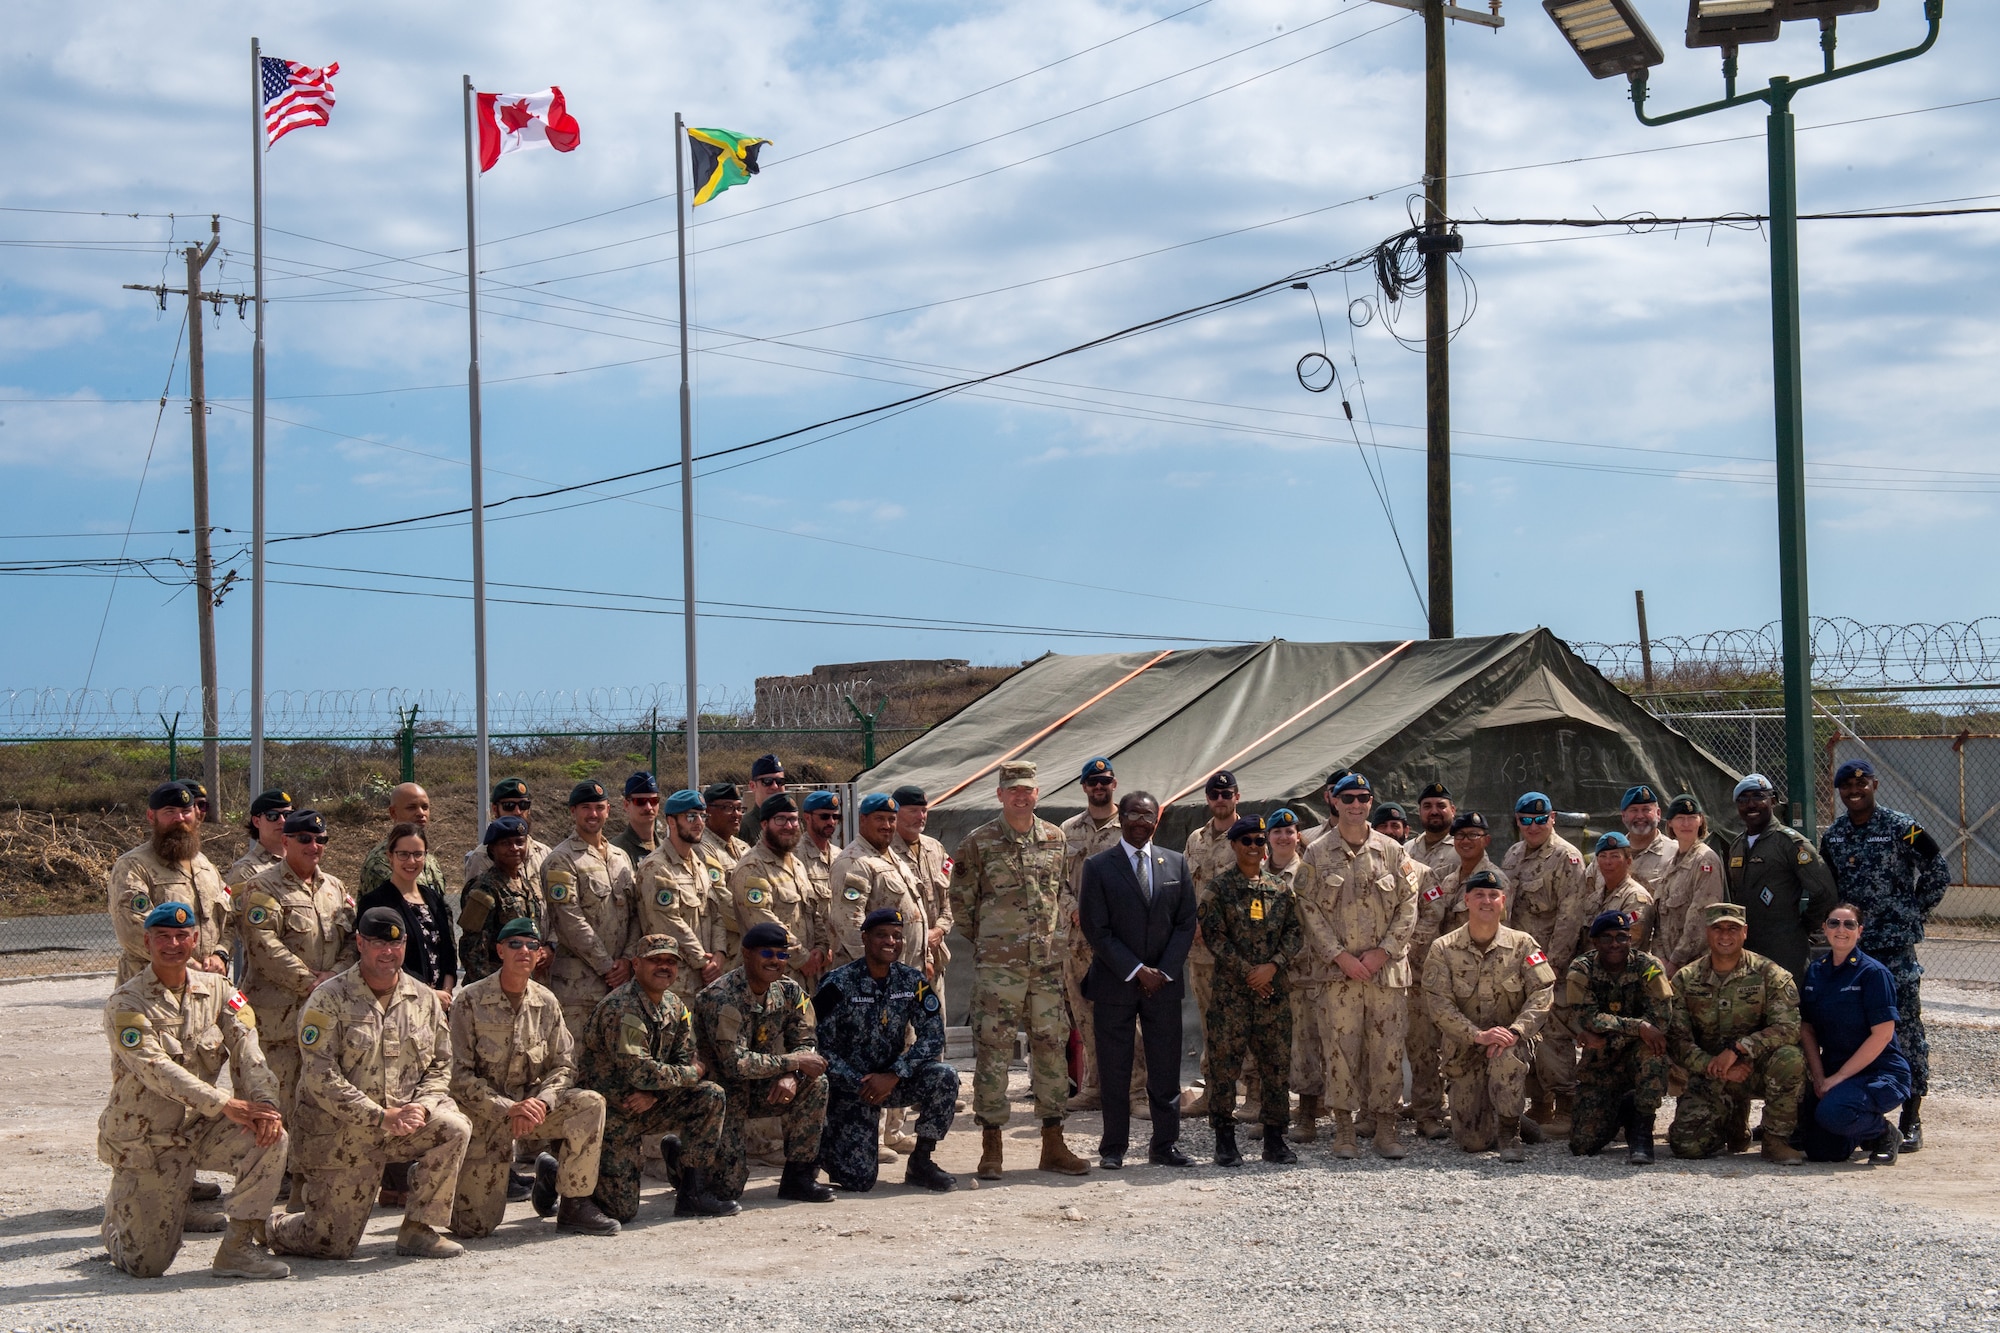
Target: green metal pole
x=1789 y=400
x=173 y=748
x=406 y=744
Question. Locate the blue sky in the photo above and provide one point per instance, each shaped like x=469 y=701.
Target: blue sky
x=1612 y=392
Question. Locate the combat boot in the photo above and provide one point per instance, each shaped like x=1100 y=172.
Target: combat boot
x=800 y=1184
x=1540 y=1109
x=1912 y=1125
x=1782 y=1153
x=1275 y=1147
x=1882 y=1151
x=1387 y=1145
x=581 y=1213
x=1056 y=1155
x=1739 y=1124
x=926 y=1174
x=1226 y=1151
x=204 y=1191
x=414 y=1240
x=989 y=1153
x=1430 y=1127
x=543 y=1193
x=1639 y=1140
x=1250 y=1107
x=242 y=1255
x=1344 y=1146
x=692 y=1199
x=1531 y=1130
x=1510 y=1142
x=1199 y=1106
x=1557 y=1126
x=1305 y=1129
x=203 y=1220
x=1090 y=1099
x=670 y=1153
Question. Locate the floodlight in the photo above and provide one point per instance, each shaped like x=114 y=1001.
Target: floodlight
x=1788 y=10
x=1731 y=22
x=1607 y=35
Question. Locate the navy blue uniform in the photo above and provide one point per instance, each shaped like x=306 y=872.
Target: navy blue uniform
x=1842 y=1004
x=1897 y=875
x=862 y=1026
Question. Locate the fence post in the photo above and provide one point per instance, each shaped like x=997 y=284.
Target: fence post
x=173 y=746
x=406 y=742
x=653 y=751
x=867 y=721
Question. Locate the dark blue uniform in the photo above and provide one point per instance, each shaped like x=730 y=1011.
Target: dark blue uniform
x=862 y=1025
x=1897 y=875
x=1842 y=1005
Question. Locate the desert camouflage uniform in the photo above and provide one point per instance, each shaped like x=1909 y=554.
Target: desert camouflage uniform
x=1754 y=1008
x=291 y=932
x=1691 y=882
x=502 y=1053
x=862 y=1029
x=1083 y=838
x=490 y=901
x=1441 y=856
x=1440 y=910
x=364 y=1057
x=750 y=1042
x=1249 y=923
x=141 y=881
x=1208 y=854
x=1308 y=977
x=686 y=897
x=165 y=1118
x=930 y=866
x=1651 y=862
x=864 y=879
x=726 y=854
x=1470 y=987
x=374 y=872
x=633 y=1045
x=1634 y=896
x=1006 y=890
x=767 y=887
x=590 y=895
x=248 y=866
x=1549 y=897
x=1368 y=900
x=1613 y=1005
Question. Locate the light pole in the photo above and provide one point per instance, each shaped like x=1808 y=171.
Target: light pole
x=1610 y=38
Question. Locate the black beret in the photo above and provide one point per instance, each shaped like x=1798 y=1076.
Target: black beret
x=583 y=793
x=1246 y=826
x=381 y=923
x=170 y=796
x=882 y=916
x=780 y=804
x=1683 y=805
x=1466 y=819
x=1483 y=879
x=766 y=935
x=1222 y=780
x=509 y=789
x=720 y=791
x=1333 y=778
x=270 y=802
x=195 y=789
x=1385 y=812
x=1606 y=922
x=514 y=929
x=304 y=821
x=909 y=794
x=1436 y=791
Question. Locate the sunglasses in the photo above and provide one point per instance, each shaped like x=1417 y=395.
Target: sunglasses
x=1533 y=819
x=774 y=955
x=1253 y=842
x=1097 y=782
x=515 y=807
x=320 y=838
x=651 y=802
x=276 y=816
x=1353 y=798
x=777 y=781
x=519 y=943
x=1841 y=923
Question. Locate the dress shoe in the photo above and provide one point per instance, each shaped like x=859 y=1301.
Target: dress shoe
x=1170 y=1155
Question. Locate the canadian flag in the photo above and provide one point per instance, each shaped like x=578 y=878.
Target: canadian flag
x=509 y=122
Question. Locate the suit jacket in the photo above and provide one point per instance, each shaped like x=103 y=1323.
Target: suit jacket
x=1125 y=931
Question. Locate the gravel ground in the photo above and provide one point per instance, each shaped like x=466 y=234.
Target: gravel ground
x=1965 y=1060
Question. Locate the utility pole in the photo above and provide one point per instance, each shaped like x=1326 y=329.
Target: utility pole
x=197 y=257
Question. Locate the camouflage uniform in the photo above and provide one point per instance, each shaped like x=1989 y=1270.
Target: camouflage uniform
x=1613 y=1005
x=1248 y=923
x=490 y=902
x=248 y=866
x=502 y=1053
x=165 y=1118
x=1470 y=987
x=767 y=887
x=1368 y=901
x=862 y=1024
x=1633 y=897
x=1754 y=1008
x=1896 y=874
x=477 y=862
x=366 y=1056
x=1651 y=862
x=864 y=879
x=141 y=880
x=291 y=932
x=1441 y=856
x=1208 y=854
x=589 y=895
x=752 y=1041
x=1549 y=897
x=1005 y=892
x=632 y=1045
x=1083 y=838
x=1691 y=882
x=1440 y=910
x=686 y=897
x=930 y=866
x=1785 y=891
x=374 y=872
x=726 y=854
x=1308 y=978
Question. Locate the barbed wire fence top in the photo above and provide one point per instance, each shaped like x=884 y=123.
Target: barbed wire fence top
x=1844 y=652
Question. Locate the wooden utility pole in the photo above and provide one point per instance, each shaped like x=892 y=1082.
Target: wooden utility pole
x=197 y=257
x=1645 y=640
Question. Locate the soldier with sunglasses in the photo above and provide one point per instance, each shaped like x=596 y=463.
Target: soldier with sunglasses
x=510 y=801
x=1550 y=900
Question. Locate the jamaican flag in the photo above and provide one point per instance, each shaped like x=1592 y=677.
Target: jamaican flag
x=721 y=159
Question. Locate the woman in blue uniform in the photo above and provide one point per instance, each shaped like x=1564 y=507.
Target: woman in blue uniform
x=1847 y=1002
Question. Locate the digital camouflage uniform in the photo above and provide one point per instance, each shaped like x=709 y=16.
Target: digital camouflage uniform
x=1368 y=900
x=768 y=887
x=478 y=861
x=1005 y=891
x=1785 y=891
x=1549 y=897
x=1248 y=923
x=364 y=1057
x=634 y=1045
x=1440 y=910
x=1470 y=987
x=862 y=1024
x=374 y=872
x=1613 y=1005
x=1755 y=1008
x=164 y=1119
x=1208 y=854
x=930 y=866
x=1083 y=838
x=687 y=897
x=750 y=1042
x=502 y=1053
x=1896 y=874
x=863 y=880
x=591 y=916
x=1691 y=882
x=491 y=900
x=141 y=880
x=291 y=932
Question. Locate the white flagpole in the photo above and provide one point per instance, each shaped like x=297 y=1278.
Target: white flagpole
x=687 y=466
x=478 y=478
x=257 y=428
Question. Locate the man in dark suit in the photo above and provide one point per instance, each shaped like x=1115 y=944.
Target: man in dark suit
x=1137 y=910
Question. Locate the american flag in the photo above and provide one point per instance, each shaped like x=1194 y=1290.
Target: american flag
x=295 y=95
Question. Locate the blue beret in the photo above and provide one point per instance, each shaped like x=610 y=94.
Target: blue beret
x=682 y=802
x=1353 y=782
x=1853 y=768
x=1606 y=841
x=822 y=800
x=882 y=916
x=1245 y=826
x=1534 y=803
x=507 y=826
x=642 y=783
x=767 y=766
x=875 y=801
x=304 y=821
x=1639 y=795
x=1282 y=819
x=1754 y=782
x=1099 y=767
x=1606 y=922
x=178 y=915
x=767 y=935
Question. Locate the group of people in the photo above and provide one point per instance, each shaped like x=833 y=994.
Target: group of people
x=783 y=998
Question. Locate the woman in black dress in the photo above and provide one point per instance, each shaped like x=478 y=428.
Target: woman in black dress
x=431 y=956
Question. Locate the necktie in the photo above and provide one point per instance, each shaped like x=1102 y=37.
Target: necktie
x=1142 y=870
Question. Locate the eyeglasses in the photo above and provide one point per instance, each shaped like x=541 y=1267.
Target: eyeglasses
x=515 y=807
x=304 y=838
x=416 y=855
x=1841 y=923
x=650 y=802
x=1253 y=842
x=520 y=943
x=1353 y=798
x=774 y=955
x=1533 y=819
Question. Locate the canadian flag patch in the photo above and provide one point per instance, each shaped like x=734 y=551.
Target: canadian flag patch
x=947 y=865
x=1537 y=958
x=1706 y=868
x=235 y=1001
x=1433 y=893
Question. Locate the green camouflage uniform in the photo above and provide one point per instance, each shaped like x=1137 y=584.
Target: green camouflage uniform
x=752 y=1041
x=1613 y=1005
x=1247 y=923
x=632 y=1045
x=1005 y=891
x=1755 y=1009
x=374 y=872
x=491 y=900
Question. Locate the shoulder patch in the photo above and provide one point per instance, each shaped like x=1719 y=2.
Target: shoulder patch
x=1536 y=958
x=1433 y=893
x=141 y=902
x=851 y=893
x=664 y=897
x=561 y=889
x=1923 y=843
x=1805 y=854
x=313 y=1027
x=558 y=875
x=633 y=1037
x=755 y=896
x=130 y=1038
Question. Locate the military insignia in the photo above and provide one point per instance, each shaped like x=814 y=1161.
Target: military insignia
x=309 y=1035
x=1536 y=958
x=714 y=875
x=852 y=894
x=559 y=891
x=1615 y=1006
x=763 y=1035
x=348 y=901
x=1256 y=909
x=141 y=903
x=947 y=865
x=258 y=916
x=180 y=916
x=1805 y=855
x=235 y=1002
x=665 y=897
x=1735 y=863
x=130 y=1038
x=1433 y=893
x=755 y=897
x=1765 y=897
x=1706 y=868
x=1575 y=860
x=930 y=1002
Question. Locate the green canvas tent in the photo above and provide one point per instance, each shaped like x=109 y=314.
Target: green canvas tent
x=1489 y=717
